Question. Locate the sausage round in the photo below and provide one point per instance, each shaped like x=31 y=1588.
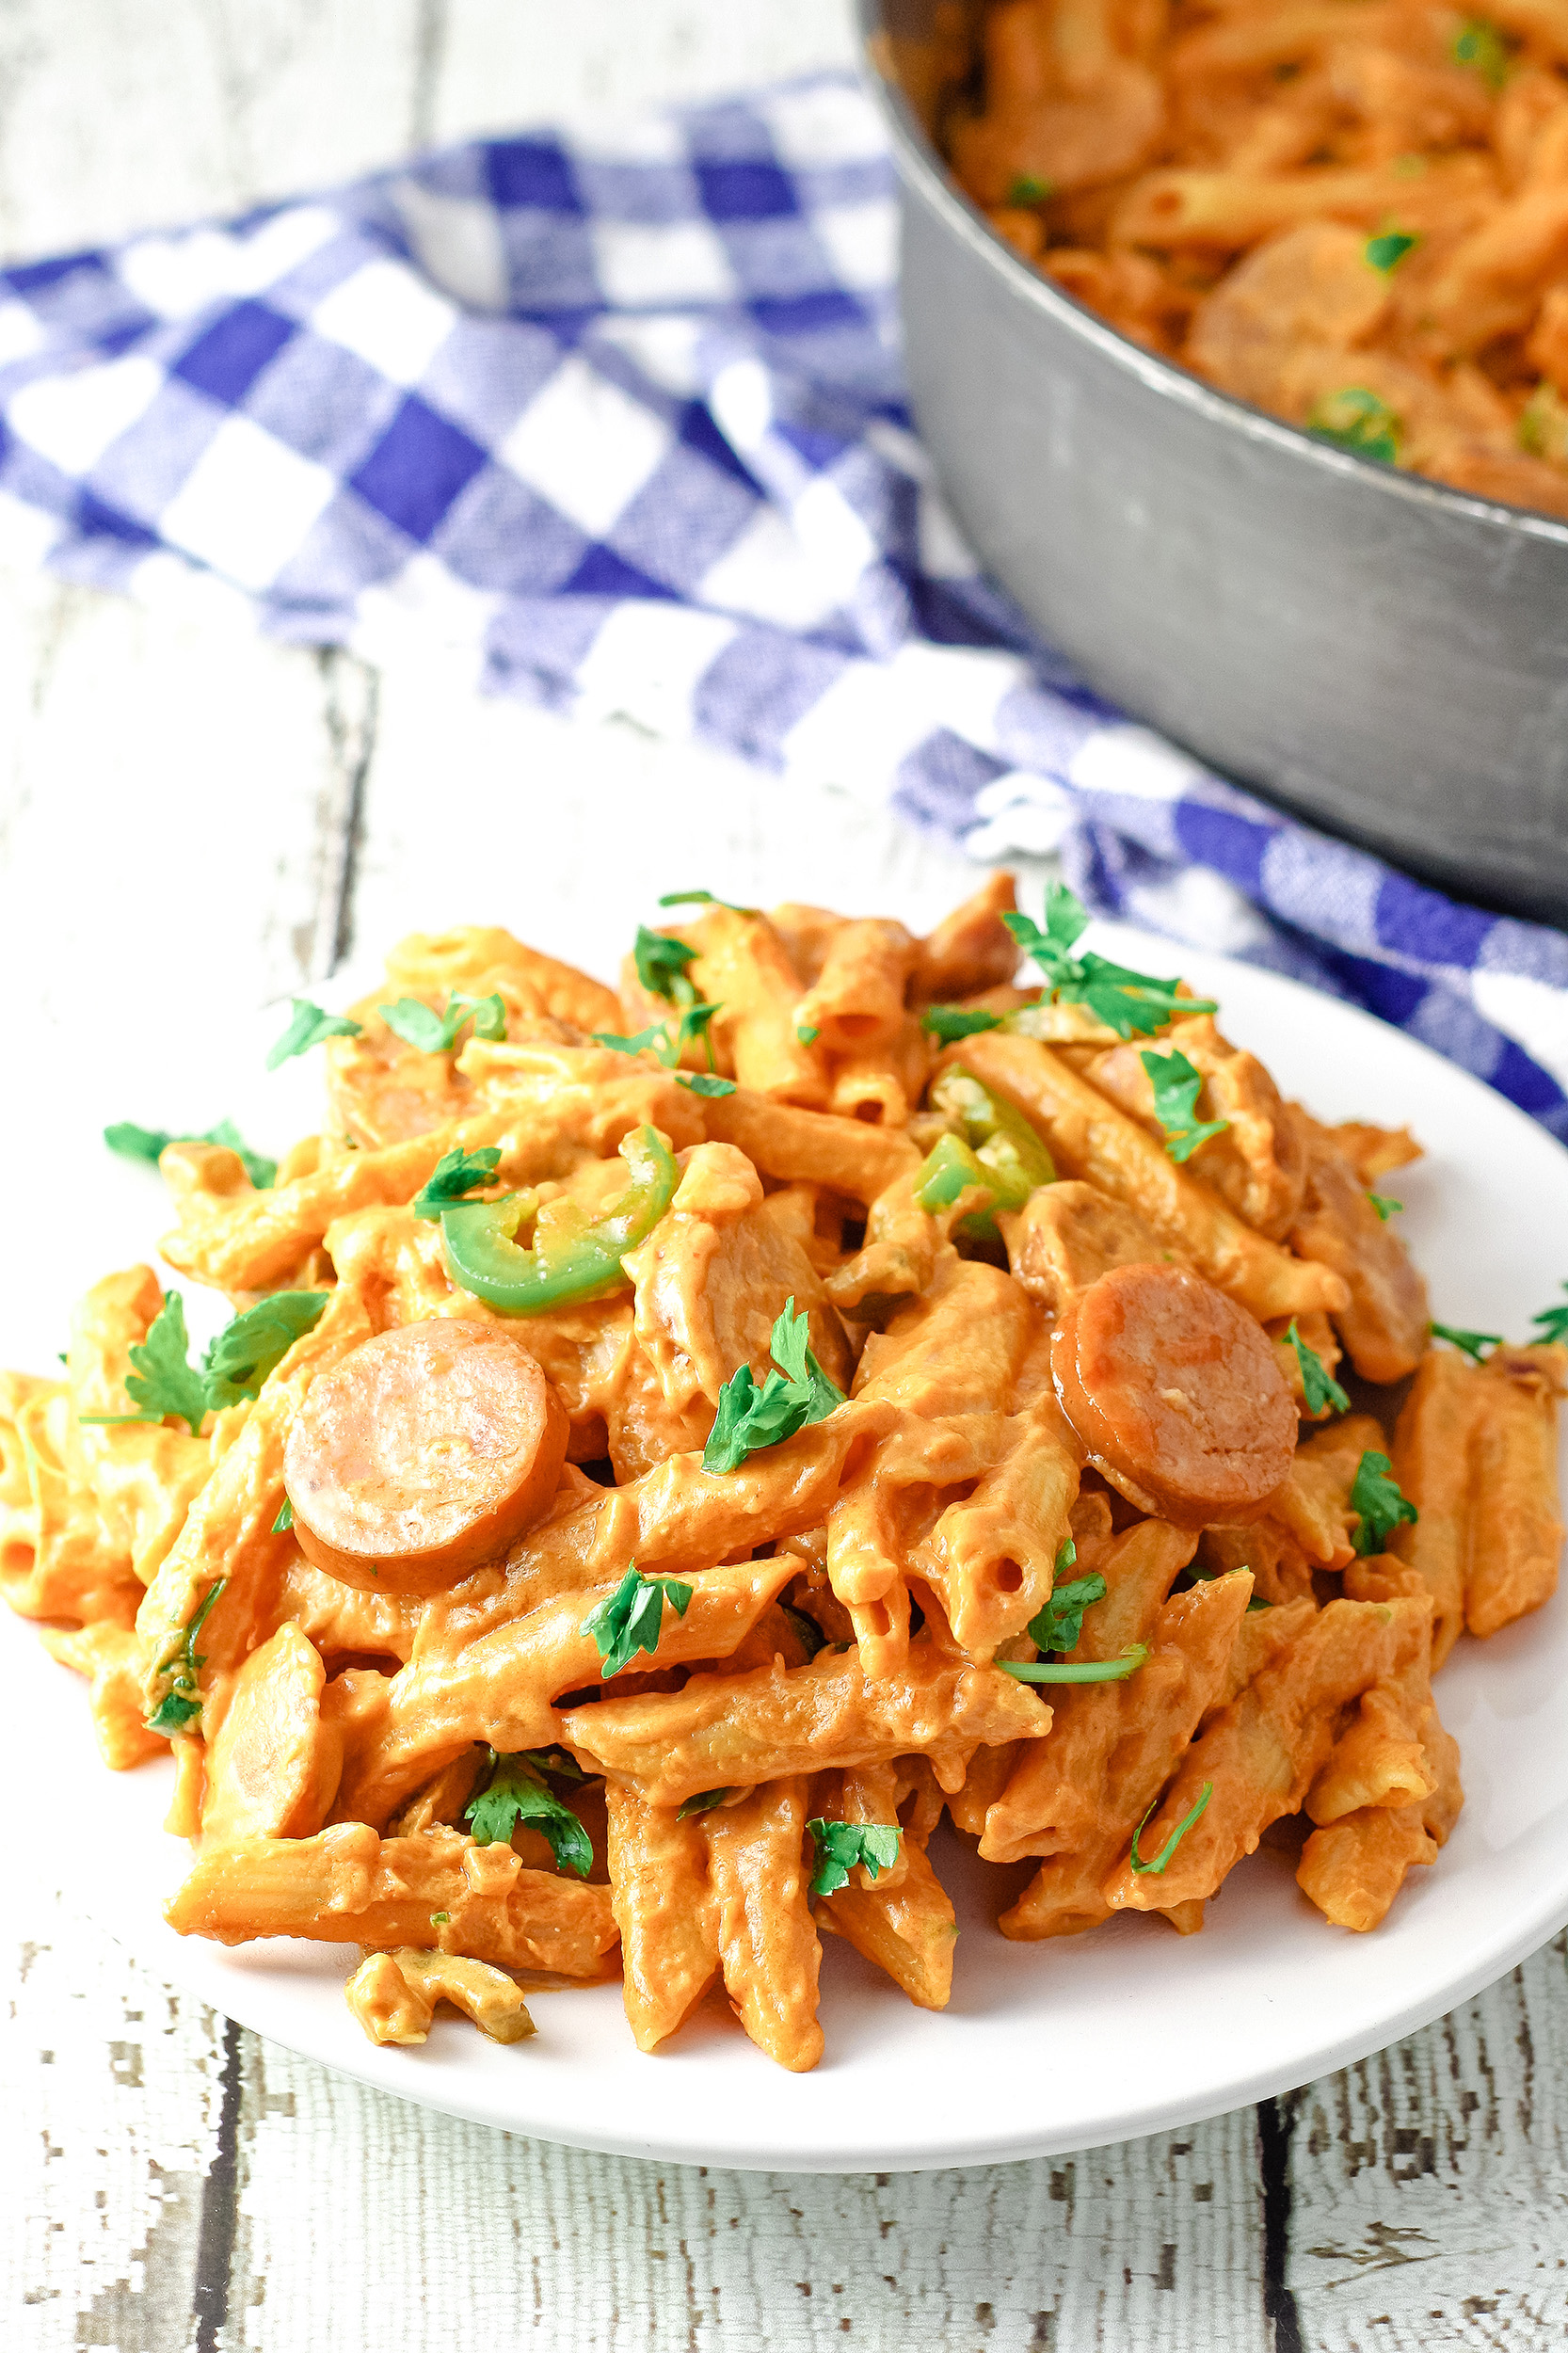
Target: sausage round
x=1175 y=1394
x=424 y=1452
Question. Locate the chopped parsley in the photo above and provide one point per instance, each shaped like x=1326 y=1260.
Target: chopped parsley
x=255 y=1344
x=797 y=1393
x=628 y=1620
x=1386 y=251
x=1382 y=1508
x=1059 y=1625
x=840 y=1846
x=284 y=1521
x=514 y=1793
x=807 y=1034
x=1385 y=1205
x=181 y=1703
x=1029 y=187
x=947 y=1024
x=436 y=1033
x=1127 y=1662
x=1357 y=420
x=1177 y=1087
x=666 y=1047
x=1553 y=1323
x=1168 y=1849
x=1319 y=1389
x=456 y=1175
x=703 y=899
x=703 y=1802
x=164 y=1382
x=1475 y=1344
x=441 y=1919
x=661 y=964
x=149 y=1144
x=1480 y=46
x=1134 y=1004
x=307 y=1028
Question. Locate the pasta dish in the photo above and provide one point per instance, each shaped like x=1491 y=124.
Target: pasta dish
x=1351 y=213
x=671 y=1444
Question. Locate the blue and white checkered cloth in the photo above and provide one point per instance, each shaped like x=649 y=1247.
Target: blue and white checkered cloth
x=621 y=417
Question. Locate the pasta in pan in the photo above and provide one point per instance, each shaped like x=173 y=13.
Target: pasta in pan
x=674 y=1444
x=1351 y=213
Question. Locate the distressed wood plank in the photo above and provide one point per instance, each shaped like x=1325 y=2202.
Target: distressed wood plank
x=1429 y=2185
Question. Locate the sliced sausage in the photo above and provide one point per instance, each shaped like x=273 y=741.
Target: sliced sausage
x=274 y=1765
x=424 y=1452
x=1175 y=1394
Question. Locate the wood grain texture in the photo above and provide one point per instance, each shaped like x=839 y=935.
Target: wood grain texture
x=191 y=818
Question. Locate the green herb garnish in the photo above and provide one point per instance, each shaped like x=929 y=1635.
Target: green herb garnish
x=797 y=1393
x=1553 y=1323
x=1475 y=1344
x=948 y=1023
x=703 y=899
x=456 y=1175
x=1386 y=251
x=706 y=1799
x=441 y=1919
x=1480 y=46
x=1177 y=1086
x=1319 y=1389
x=1127 y=1662
x=284 y=1521
x=1382 y=1508
x=309 y=1027
x=436 y=1033
x=149 y=1144
x=516 y=1793
x=1357 y=420
x=1134 y=1004
x=628 y=1620
x=1059 y=1625
x=1168 y=1849
x=807 y=1034
x=163 y=1383
x=666 y=1047
x=181 y=1703
x=1385 y=1205
x=1029 y=187
x=840 y=1846
x=661 y=964
x=255 y=1344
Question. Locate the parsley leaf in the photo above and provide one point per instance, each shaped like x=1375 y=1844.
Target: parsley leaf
x=703 y=1802
x=702 y=1082
x=1168 y=1849
x=1134 y=1004
x=456 y=1175
x=1127 y=1662
x=807 y=1034
x=284 y=1521
x=247 y=1349
x=1553 y=1323
x=147 y=1144
x=840 y=1846
x=1475 y=1344
x=628 y=1620
x=1177 y=1087
x=437 y=1034
x=1386 y=251
x=1383 y=1205
x=1060 y=1624
x=1358 y=420
x=163 y=1383
x=661 y=964
x=667 y=1049
x=948 y=1023
x=703 y=899
x=1319 y=1387
x=307 y=1028
x=181 y=1703
x=1383 y=1509
x=797 y=1394
x=1480 y=45
x=516 y=1793
x=1029 y=187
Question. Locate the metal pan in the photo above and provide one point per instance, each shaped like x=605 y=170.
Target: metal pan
x=1383 y=655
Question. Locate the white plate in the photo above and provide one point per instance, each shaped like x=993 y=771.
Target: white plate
x=1046 y=2047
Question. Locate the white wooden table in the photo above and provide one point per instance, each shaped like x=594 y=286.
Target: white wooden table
x=191 y=818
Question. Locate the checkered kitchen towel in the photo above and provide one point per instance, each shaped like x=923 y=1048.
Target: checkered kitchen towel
x=620 y=415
